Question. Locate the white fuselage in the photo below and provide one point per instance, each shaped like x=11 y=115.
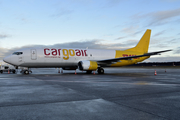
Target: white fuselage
x=56 y=57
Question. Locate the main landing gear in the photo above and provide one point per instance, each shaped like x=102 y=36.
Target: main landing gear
x=26 y=71
x=100 y=70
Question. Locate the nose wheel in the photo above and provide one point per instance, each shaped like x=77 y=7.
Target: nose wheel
x=100 y=70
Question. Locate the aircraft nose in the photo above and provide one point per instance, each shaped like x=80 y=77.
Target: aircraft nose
x=7 y=59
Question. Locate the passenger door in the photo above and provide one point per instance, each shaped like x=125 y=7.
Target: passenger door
x=33 y=54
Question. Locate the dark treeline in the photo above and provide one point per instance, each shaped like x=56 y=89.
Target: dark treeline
x=157 y=64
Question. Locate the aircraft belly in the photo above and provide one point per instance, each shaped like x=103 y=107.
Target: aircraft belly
x=47 y=64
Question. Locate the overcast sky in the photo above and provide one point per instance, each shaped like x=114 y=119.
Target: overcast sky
x=100 y=24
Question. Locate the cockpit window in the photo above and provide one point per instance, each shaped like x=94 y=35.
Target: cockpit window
x=17 y=53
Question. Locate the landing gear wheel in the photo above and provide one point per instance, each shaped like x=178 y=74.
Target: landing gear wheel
x=88 y=71
x=100 y=70
x=13 y=71
x=26 y=72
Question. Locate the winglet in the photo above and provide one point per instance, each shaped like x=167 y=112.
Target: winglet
x=143 y=45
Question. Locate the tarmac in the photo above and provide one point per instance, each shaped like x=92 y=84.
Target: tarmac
x=119 y=94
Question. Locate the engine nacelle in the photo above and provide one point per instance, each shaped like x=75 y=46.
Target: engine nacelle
x=87 y=65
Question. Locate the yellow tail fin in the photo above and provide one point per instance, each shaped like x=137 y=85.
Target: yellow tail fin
x=143 y=45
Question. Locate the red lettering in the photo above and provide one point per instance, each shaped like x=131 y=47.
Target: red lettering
x=54 y=52
x=85 y=52
x=59 y=51
x=82 y=53
x=78 y=53
x=125 y=55
x=45 y=51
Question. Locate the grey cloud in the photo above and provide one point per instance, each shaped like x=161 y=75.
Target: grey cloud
x=3 y=52
x=91 y=44
x=160 y=40
x=24 y=20
x=2 y=36
x=130 y=34
x=158 y=18
x=137 y=32
x=62 y=12
x=119 y=38
x=161 y=45
x=130 y=43
x=177 y=51
x=175 y=40
x=108 y=35
x=111 y=3
x=106 y=3
x=131 y=29
x=82 y=44
x=162 y=17
x=170 y=0
x=6 y=52
x=159 y=33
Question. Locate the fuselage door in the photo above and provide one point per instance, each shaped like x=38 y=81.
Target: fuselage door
x=33 y=54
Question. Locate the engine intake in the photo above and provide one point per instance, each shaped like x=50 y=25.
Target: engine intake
x=87 y=65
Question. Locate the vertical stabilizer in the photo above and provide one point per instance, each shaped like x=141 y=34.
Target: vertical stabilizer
x=143 y=45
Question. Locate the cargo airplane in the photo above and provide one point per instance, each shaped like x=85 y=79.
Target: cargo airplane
x=83 y=59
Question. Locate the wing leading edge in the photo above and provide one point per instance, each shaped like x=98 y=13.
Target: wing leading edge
x=130 y=57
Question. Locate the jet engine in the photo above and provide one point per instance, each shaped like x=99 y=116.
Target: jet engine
x=87 y=65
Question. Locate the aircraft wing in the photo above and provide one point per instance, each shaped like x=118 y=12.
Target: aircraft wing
x=130 y=57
